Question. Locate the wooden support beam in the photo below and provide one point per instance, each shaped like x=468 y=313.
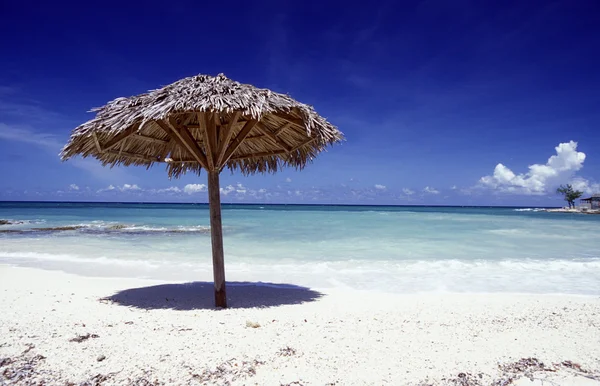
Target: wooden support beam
x=213 y=126
x=225 y=137
x=210 y=137
x=188 y=144
x=237 y=141
x=188 y=140
x=121 y=136
x=98 y=147
x=303 y=144
x=276 y=139
x=283 y=128
x=258 y=155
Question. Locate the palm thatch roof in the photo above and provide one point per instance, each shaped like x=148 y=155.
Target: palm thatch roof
x=204 y=122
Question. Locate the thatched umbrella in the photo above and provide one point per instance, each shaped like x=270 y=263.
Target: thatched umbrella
x=209 y=123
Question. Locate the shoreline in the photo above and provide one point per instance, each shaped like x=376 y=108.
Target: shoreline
x=572 y=210
x=343 y=336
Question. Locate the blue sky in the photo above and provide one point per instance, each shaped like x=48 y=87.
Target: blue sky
x=442 y=102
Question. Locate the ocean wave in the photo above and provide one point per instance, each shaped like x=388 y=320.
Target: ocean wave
x=19 y=257
x=9 y=222
x=568 y=275
x=99 y=227
x=529 y=210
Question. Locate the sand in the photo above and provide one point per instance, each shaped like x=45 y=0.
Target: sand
x=61 y=328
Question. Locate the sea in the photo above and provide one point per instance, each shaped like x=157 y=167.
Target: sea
x=398 y=249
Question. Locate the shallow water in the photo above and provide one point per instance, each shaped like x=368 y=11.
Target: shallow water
x=394 y=249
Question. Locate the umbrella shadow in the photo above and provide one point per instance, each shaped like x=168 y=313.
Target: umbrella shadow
x=200 y=296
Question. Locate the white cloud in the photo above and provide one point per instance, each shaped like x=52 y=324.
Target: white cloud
x=228 y=189
x=128 y=187
x=408 y=192
x=171 y=189
x=453 y=187
x=585 y=186
x=123 y=188
x=262 y=190
x=194 y=188
x=379 y=187
x=241 y=189
x=107 y=189
x=540 y=179
x=288 y=179
x=430 y=190
x=73 y=187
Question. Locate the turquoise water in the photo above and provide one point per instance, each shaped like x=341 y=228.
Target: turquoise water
x=393 y=249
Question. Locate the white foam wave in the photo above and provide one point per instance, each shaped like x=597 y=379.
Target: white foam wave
x=113 y=227
x=16 y=257
x=575 y=276
x=13 y=222
x=529 y=210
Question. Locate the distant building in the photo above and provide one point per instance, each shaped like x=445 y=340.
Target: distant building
x=592 y=202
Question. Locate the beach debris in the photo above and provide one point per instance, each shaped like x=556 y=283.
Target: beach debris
x=465 y=379
x=571 y=365
x=20 y=369
x=101 y=358
x=252 y=324
x=81 y=338
x=286 y=351
x=144 y=380
x=514 y=373
x=96 y=380
x=228 y=372
x=99 y=379
x=525 y=366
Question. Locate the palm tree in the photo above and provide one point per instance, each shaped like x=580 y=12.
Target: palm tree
x=570 y=194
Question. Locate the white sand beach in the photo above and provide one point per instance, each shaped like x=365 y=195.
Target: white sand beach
x=58 y=328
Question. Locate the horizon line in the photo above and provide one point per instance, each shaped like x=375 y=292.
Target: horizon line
x=272 y=204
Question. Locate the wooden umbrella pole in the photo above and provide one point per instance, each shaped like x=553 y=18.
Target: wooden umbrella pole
x=216 y=231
